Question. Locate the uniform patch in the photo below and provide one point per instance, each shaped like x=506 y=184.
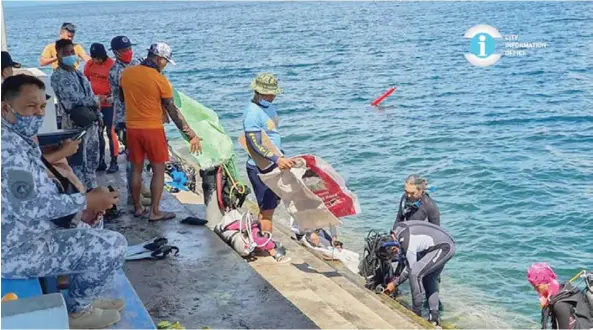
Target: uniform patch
x=20 y=184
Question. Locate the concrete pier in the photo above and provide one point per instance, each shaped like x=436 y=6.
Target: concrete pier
x=209 y=285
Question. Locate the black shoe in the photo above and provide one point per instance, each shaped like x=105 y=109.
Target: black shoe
x=102 y=167
x=434 y=318
x=113 y=167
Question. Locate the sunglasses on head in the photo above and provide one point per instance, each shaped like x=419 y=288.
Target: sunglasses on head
x=69 y=27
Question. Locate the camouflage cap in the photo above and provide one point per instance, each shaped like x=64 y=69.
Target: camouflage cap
x=266 y=84
x=163 y=50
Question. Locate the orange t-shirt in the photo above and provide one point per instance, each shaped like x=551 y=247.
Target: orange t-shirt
x=144 y=88
x=98 y=75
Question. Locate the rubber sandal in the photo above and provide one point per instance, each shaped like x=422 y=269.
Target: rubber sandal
x=194 y=221
x=111 y=215
x=166 y=216
x=147 y=246
x=156 y=244
x=145 y=212
x=160 y=253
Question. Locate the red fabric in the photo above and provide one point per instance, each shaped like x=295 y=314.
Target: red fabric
x=334 y=194
x=98 y=75
x=148 y=143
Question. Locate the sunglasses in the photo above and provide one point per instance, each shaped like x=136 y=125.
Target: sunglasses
x=69 y=27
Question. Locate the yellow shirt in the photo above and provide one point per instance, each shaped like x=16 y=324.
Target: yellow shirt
x=50 y=52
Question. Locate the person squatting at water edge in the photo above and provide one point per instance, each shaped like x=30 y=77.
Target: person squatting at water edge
x=146 y=92
x=425 y=249
x=97 y=72
x=32 y=204
x=416 y=204
x=124 y=57
x=261 y=115
x=81 y=109
x=566 y=305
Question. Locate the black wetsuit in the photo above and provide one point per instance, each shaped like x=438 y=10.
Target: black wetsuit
x=425 y=209
x=562 y=312
x=426 y=248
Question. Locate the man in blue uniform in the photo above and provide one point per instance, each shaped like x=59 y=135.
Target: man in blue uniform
x=32 y=245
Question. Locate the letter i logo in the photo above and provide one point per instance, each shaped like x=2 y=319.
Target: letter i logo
x=482 y=44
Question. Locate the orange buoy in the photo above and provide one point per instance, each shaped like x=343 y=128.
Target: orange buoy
x=9 y=297
x=381 y=98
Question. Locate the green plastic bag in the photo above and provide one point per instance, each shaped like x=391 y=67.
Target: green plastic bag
x=217 y=146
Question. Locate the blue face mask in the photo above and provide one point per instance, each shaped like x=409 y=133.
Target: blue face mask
x=265 y=103
x=27 y=126
x=70 y=60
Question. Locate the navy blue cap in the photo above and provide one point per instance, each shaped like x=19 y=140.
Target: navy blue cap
x=8 y=62
x=120 y=42
x=98 y=51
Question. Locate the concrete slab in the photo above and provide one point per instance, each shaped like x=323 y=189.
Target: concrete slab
x=208 y=284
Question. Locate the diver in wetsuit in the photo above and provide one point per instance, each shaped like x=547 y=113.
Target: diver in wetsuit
x=426 y=249
x=416 y=204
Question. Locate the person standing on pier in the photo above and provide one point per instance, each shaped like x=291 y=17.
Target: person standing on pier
x=124 y=57
x=97 y=72
x=49 y=56
x=148 y=98
x=74 y=94
x=260 y=115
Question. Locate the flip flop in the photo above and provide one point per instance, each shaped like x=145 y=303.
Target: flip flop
x=145 y=212
x=160 y=253
x=194 y=221
x=166 y=216
x=150 y=245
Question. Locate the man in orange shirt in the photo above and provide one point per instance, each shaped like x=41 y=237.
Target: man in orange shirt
x=148 y=98
x=49 y=54
x=97 y=72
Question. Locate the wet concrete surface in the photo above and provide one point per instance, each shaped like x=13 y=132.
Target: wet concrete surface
x=207 y=284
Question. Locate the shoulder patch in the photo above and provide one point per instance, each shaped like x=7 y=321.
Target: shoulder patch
x=20 y=184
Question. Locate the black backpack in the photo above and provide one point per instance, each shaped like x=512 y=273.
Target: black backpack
x=582 y=309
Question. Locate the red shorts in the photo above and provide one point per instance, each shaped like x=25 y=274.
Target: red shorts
x=148 y=143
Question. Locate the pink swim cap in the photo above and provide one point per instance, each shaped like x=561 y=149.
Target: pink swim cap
x=541 y=273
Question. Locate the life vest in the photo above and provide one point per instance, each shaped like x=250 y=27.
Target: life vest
x=581 y=309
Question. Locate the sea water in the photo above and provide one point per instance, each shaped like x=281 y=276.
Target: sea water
x=508 y=147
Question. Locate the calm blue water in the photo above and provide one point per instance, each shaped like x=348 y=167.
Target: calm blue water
x=509 y=148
